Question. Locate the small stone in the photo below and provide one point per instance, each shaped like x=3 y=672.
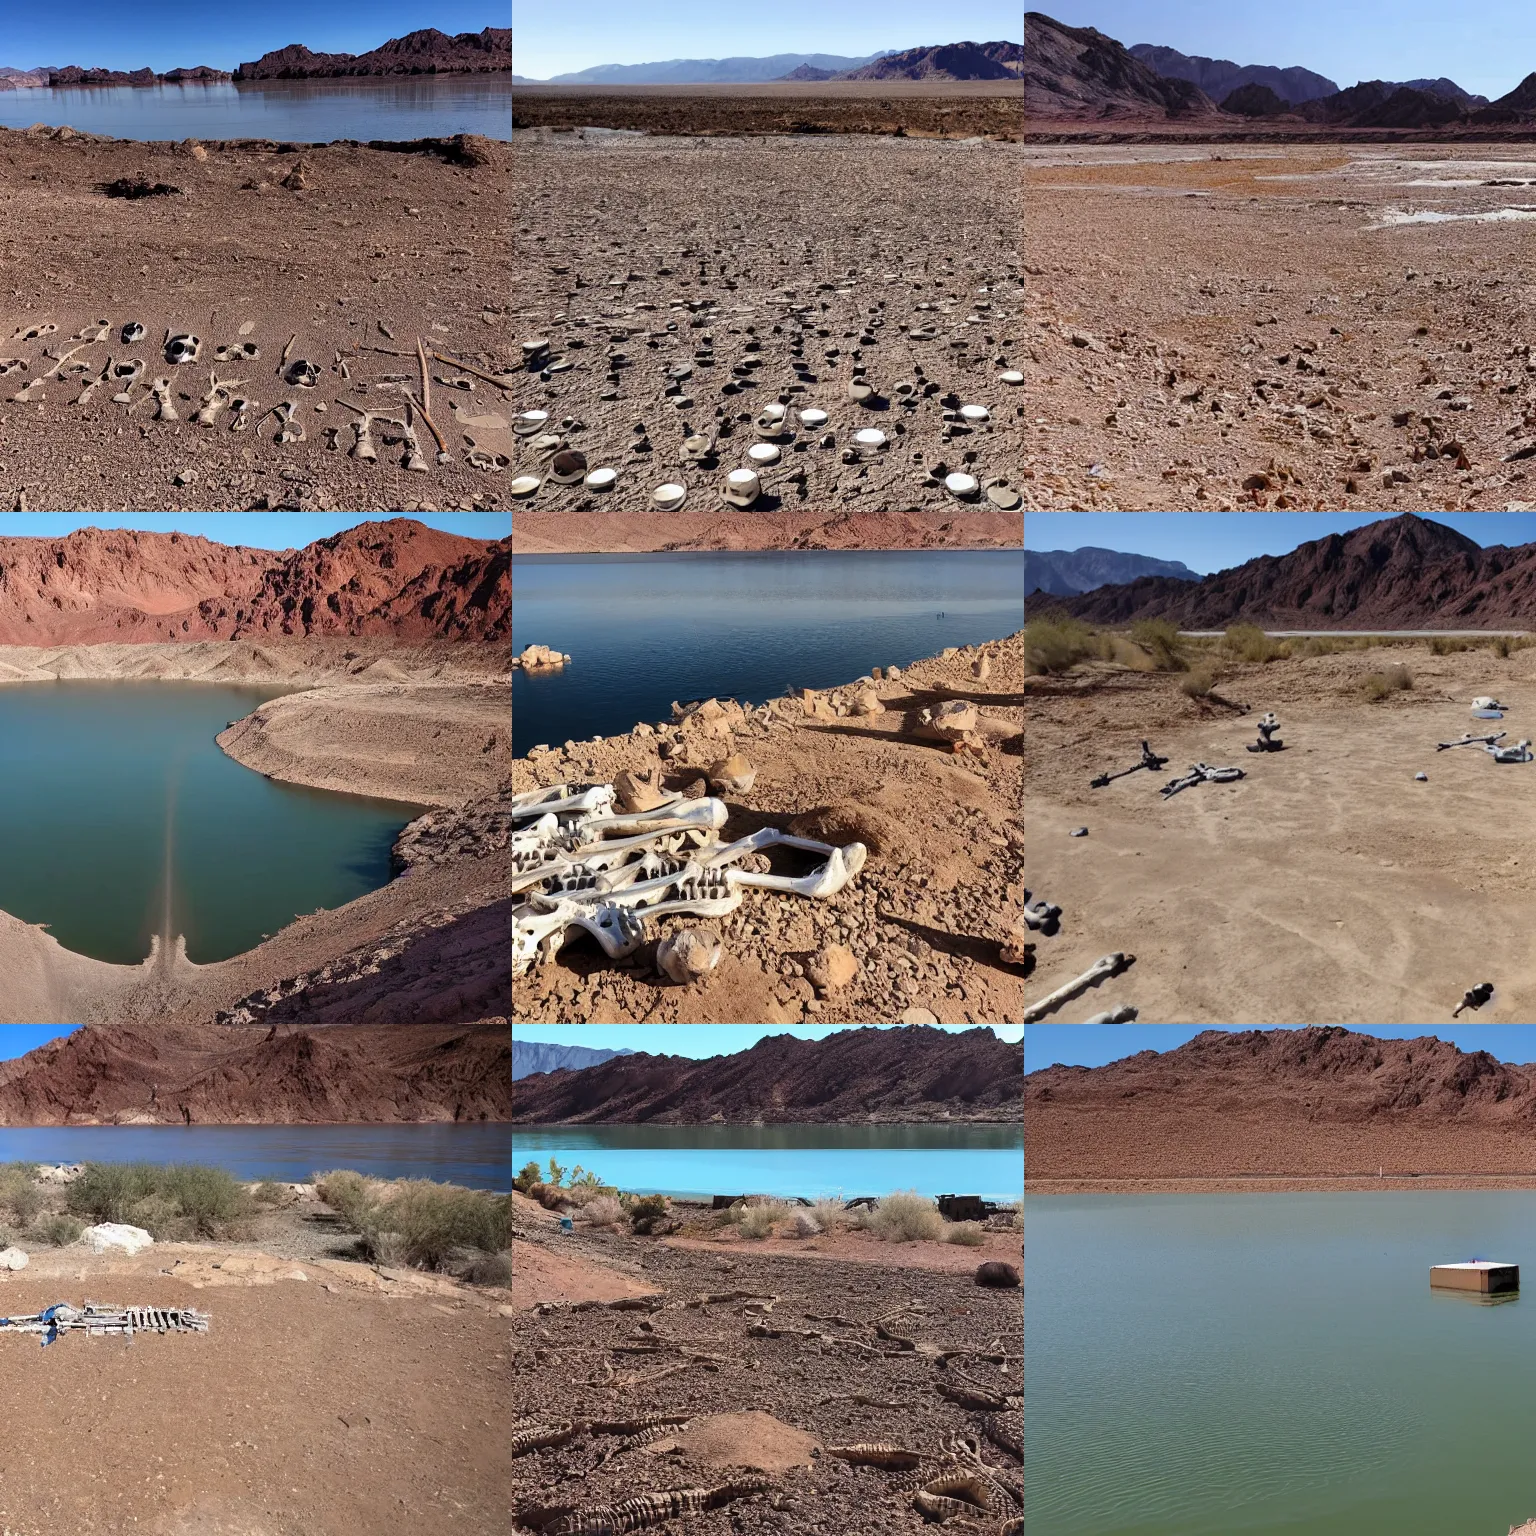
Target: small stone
x=918 y=1016
x=689 y=955
x=733 y=775
x=831 y=968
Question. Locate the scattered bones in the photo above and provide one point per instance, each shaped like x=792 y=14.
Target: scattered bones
x=1149 y=759
x=1108 y=965
x=1200 y=773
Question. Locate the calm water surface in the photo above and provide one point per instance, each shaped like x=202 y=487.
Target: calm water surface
x=105 y=787
x=307 y=111
x=1199 y=1365
x=809 y=1160
x=473 y=1155
x=644 y=630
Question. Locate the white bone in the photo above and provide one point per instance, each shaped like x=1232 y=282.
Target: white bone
x=1108 y=965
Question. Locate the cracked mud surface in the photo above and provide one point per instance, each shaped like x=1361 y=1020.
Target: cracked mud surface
x=806 y=1385
x=407 y=240
x=1231 y=326
x=677 y=281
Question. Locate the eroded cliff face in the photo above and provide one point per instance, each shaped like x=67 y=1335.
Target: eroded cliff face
x=427 y=51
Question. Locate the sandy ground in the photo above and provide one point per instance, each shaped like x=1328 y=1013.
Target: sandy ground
x=345 y=1401
x=759 y=1402
x=925 y=918
x=1325 y=887
x=375 y=242
x=861 y=1248
x=680 y=279
x=1204 y=314
x=1276 y=1184
x=422 y=723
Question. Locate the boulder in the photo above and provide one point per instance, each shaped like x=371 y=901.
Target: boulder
x=917 y=1016
x=639 y=790
x=997 y=1274
x=689 y=955
x=732 y=775
x=113 y=1236
x=981 y=668
x=14 y=1258
x=831 y=968
x=867 y=702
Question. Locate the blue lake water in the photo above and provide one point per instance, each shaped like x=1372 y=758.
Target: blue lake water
x=644 y=630
x=1206 y=1365
x=108 y=791
x=784 y=1160
x=473 y=1155
x=303 y=111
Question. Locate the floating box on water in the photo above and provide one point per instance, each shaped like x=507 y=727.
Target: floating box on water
x=1484 y=1275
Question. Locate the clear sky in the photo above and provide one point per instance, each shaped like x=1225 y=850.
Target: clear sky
x=695 y=1039
x=1091 y=1045
x=1487 y=46
x=259 y=530
x=1216 y=541
x=18 y=1039
x=561 y=39
x=167 y=34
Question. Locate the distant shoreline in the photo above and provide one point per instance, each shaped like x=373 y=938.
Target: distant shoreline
x=1279 y=1183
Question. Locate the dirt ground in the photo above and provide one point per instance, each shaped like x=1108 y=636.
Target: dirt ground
x=950 y=109
x=423 y=723
x=1327 y=886
x=376 y=249
x=342 y=1401
x=926 y=917
x=771 y=1403
x=677 y=281
x=1219 y=326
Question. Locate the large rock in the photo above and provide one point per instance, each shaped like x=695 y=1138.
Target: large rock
x=831 y=968
x=14 y=1258
x=732 y=775
x=639 y=790
x=113 y=1236
x=689 y=955
x=995 y=1273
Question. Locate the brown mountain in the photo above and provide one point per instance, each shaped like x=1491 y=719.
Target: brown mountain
x=953 y=61
x=396 y=578
x=855 y=1076
x=1282 y=1101
x=1402 y=573
x=426 y=52
x=1078 y=72
x=1383 y=104
x=73 y=74
x=356 y=1072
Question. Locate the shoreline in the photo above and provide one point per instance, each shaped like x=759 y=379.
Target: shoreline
x=1279 y=1183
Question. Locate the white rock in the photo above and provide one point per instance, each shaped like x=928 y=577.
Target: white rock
x=114 y=1234
x=14 y=1258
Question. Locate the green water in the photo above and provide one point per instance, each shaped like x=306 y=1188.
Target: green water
x=1201 y=1365
x=108 y=788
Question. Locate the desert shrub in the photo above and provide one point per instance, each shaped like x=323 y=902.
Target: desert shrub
x=270 y=1193
x=347 y=1193
x=806 y=1225
x=481 y=1268
x=527 y=1178
x=1446 y=645
x=1197 y=685
x=19 y=1193
x=829 y=1215
x=58 y=1229
x=1251 y=643
x=905 y=1217
x=1056 y=642
x=646 y=1212
x=1500 y=645
x=1380 y=685
x=1160 y=640
x=166 y=1199
x=759 y=1220
x=968 y=1234
x=604 y=1211
x=422 y=1223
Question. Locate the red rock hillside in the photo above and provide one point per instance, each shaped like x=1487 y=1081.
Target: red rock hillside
x=396 y=578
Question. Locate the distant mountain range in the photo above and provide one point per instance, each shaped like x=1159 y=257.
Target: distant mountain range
x=425 y=52
x=946 y=61
x=74 y=74
x=1401 y=573
x=534 y=1056
x=1065 y=572
x=952 y=61
x=1079 y=73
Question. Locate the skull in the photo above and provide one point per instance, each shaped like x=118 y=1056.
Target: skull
x=302 y=372
x=132 y=332
x=182 y=348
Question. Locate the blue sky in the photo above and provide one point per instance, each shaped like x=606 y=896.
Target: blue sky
x=18 y=1039
x=260 y=530
x=1216 y=541
x=548 y=40
x=165 y=34
x=1091 y=1045
x=692 y=1039
x=1487 y=46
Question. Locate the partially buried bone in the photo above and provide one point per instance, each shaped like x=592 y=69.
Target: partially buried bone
x=98 y=330
x=132 y=332
x=165 y=407
x=1200 y=773
x=237 y=352
x=29 y=392
x=289 y=428
x=127 y=374
x=83 y=398
x=1109 y=965
x=32 y=332
x=217 y=397
x=182 y=348
x=362 y=446
x=242 y=417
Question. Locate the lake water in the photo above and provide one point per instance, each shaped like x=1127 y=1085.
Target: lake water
x=643 y=630
x=809 y=1160
x=473 y=1155
x=303 y=111
x=1202 y=1365
x=104 y=786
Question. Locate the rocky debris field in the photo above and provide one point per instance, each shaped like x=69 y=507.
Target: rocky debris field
x=1229 y=327
x=748 y=1371
x=838 y=317
x=188 y=324
x=916 y=937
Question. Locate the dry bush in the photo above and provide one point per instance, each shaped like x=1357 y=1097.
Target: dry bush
x=1197 y=685
x=1251 y=643
x=1161 y=641
x=58 y=1230
x=829 y=1215
x=1056 y=642
x=604 y=1211
x=169 y=1200
x=806 y=1225
x=647 y=1212
x=905 y=1217
x=969 y=1234
x=19 y=1191
x=1379 y=685
x=759 y=1220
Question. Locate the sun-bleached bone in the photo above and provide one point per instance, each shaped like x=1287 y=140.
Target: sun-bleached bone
x=1108 y=965
x=31 y=391
x=83 y=398
x=98 y=330
x=217 y=397
x=33 y=332
x=165 y=407
x=289 y=428
x=242 y=417
x=129 y=374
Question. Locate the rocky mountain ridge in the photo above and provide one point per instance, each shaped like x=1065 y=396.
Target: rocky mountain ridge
x=1066 y=572
x=950 y=61
x=396 y=577
x=1404 y=572
x=424 y=52
x=75 y=74
x=855 y=1076
x=1078 y=72
x=530 y=1057
x=1218 y=78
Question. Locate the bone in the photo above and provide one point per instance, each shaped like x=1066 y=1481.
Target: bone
x=29 y=392
x=46 y=328
x=165 y=407
x=426 y=388
x=1108 y=965
x=97 y=331
x=443 y=456
x=289 y=428
x=83 y=398
x=490 y=378
x=129 y=373
x=287 y=352
x=217 y=397
x=241 y=420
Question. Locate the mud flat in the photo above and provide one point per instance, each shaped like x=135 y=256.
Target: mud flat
x=1327 y=886
x=341 y=255
x=927 y=917
x=425 y=723
x=759 y=1382
x=891 y=263
x=1384 y=364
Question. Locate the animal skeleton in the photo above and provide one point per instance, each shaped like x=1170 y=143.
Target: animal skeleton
x=93 y=1318
x=1200 y=773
